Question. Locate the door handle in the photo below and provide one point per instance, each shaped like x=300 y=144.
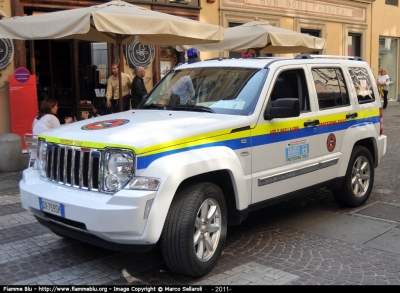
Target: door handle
x=351 y=115
x=311 y=123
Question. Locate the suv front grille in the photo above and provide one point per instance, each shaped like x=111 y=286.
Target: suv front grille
x=74 y=166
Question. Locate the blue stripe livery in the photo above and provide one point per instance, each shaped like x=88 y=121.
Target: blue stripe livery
x=235 y=144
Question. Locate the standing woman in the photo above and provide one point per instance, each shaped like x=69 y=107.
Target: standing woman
x=383 y=81
x=46 y=119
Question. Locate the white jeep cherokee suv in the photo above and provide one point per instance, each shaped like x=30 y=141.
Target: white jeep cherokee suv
x=211 y=142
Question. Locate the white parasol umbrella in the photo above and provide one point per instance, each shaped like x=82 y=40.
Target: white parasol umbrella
x=261 y=37
x=112 y=22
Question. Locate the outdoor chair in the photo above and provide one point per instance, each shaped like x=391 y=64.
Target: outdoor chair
x=31 y=145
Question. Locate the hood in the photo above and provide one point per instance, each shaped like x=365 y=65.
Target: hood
x=145 y=130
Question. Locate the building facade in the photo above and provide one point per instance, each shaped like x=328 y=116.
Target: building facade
x=385 y=34
x=365 y=28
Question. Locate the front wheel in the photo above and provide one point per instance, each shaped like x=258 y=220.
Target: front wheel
x=195 y=230
x=359 y=179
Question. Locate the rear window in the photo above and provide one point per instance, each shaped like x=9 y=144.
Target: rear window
x=362 y=84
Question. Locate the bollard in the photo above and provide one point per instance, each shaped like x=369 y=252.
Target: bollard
x=10 y=152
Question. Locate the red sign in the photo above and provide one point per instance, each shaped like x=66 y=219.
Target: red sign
x=331 y=142
x=247 y=54
x=23 y=102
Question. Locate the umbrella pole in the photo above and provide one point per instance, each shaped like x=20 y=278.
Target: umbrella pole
x=120 y=65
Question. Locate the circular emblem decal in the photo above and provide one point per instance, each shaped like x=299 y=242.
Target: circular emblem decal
x=6 y=52
x=22 y=74
x=331 y=142
x=105 y=124
x=138 y=54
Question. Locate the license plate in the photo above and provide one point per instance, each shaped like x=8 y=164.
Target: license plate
x=51 y=207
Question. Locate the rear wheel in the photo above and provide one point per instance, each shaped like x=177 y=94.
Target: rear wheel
x=359 y=179
x=195 y=230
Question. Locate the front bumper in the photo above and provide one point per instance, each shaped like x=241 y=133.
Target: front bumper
x=87 y=237
x=90 y=216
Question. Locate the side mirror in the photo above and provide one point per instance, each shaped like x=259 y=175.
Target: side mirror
x=283 y=108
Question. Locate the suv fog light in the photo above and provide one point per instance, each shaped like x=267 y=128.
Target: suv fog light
x=147 y=209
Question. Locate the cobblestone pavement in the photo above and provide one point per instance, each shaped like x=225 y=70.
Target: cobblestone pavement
x=308 y=240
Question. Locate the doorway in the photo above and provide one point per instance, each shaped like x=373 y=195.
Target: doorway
x=69 y=72
x=388 y=58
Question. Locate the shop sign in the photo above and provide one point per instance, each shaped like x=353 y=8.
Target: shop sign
x=305 y=6
x=6 y=52
x=139 y=55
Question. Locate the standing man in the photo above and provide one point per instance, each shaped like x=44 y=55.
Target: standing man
x=113 y=90
x=138 y=88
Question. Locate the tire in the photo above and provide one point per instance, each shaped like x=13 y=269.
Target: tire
x=187 y=243
x=359 y=179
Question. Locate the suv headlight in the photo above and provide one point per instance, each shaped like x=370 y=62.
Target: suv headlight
x=118 y=169
x=41 y=159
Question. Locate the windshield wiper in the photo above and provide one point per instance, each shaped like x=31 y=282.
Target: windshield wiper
x=193 y=108
x=154 y=106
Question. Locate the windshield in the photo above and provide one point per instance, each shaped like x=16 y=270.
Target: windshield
x=222 y=90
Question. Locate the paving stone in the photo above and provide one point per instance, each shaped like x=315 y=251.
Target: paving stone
x=11 y=208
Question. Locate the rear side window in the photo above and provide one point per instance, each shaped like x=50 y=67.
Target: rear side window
x=330 y=87
x=362 y=85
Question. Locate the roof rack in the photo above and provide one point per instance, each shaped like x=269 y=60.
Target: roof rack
x=312 y=56
x=246 y=58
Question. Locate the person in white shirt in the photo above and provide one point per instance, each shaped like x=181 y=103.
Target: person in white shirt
x=183 y=88
x=46 y=119
x=383 y=81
